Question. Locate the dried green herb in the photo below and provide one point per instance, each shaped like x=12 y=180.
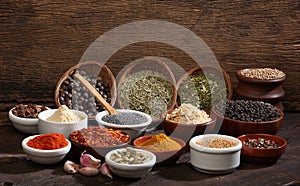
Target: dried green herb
x=146 y=91
x=202 y=91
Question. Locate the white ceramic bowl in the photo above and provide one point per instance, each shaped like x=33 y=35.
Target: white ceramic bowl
x=26 y=125
x=215 y=160
x=45 y=156
x=65 y=128
x=133 y=131
x=132 y=170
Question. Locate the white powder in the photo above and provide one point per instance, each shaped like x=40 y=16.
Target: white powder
x=64 y=115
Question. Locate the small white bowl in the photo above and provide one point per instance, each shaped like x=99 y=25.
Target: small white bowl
x=133 y=131
x=132 y=170
x=26 y=125
x=215 y=160
x=65 y=128
x=45 y=156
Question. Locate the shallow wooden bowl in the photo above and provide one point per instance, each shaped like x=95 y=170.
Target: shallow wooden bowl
x=185 y=131
x=92 y=67
x=262 y=155
x=236 y=127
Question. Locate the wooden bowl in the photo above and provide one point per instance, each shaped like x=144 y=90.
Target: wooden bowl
x=262 y=90
x=219 y=72
x=262 y=155
x=90 y=67
x=165 y=157
x=236 y=127
x=185 y=131
x=153 y=64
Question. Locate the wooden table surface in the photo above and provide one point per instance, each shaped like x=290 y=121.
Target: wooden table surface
x=15 y=169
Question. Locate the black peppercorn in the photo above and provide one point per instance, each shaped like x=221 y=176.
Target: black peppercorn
x=248 y=110
x=75 y=96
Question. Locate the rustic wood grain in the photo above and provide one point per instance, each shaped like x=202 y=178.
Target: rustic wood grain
x=40 y=40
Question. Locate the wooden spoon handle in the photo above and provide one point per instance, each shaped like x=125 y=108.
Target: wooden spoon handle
x=92 y=89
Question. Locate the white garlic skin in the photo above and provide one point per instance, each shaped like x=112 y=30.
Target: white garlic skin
x=71 y=167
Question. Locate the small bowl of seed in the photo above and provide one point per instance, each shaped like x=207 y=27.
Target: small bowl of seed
x=215 y=153
x=132 y=122
x=263 y=84
x=240 y=117
x=262 y=148
x=130 y=162
x=25 y=117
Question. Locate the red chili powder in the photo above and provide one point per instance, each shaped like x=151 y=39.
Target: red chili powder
x=48 y=141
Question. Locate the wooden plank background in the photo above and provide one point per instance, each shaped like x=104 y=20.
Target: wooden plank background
x=40 y=40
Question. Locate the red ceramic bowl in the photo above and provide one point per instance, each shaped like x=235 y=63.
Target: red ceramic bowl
x=164 y=157
x=185 y=131
x=262 y=155
x=236 y=127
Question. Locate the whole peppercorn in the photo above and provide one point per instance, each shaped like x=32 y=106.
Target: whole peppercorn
x=248 y=110
x=75 y=96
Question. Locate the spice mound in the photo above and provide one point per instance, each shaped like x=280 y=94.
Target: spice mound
x=260 y=143
x=217 y=143
x=28 y=111
x=49 y=141
x=202 y=90
x=160 y=143
x=188 y=114
x=99 y=137
x=248 y=110
x=263 y=73
x=129 y=155
x=125 y=118
x=64 y=114
x=146 y=91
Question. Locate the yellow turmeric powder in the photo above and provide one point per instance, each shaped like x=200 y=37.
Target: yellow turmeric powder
x=160 y=143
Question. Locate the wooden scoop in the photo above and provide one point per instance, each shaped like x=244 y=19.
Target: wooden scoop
x=92 y=89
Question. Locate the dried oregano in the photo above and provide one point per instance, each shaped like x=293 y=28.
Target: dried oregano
x=146 y=91
x=202 y=90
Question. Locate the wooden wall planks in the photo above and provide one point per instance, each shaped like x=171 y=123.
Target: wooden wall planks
x=40 y=40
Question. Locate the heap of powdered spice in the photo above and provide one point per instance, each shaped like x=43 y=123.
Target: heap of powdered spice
x=160 y=143
x=49 y=141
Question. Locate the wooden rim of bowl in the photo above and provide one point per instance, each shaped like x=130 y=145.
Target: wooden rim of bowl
x=149 y=63
x=105 y=73
x=209 y=68
x=257 y=81
x=244 y=137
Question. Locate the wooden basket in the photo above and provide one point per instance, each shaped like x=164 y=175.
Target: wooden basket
x=91 y=67
x=149 y=63
x=209 y=69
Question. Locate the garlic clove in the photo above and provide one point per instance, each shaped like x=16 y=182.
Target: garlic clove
x=87 y=160
x=88 y=171
x=104 y=170
x=71 y=167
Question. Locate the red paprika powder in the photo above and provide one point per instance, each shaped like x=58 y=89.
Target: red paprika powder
x=48 y=141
